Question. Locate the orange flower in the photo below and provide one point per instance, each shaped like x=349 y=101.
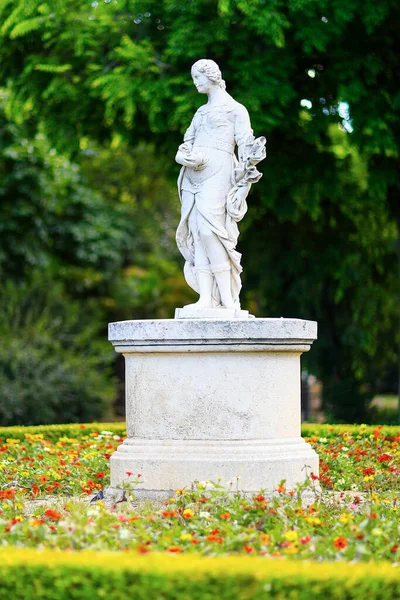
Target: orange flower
x=7 y=494
x=248 y=549
x=281 y=489
x=168 y=513
x=188 y=514
x=340 y=543
x=143 y=549
x=43 y=479
x=225 y=516
x=214 y=538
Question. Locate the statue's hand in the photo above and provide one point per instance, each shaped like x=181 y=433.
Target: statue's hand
x=186 y=148
x=193 y=159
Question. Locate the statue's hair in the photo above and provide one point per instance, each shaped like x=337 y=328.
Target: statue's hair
x=211 y=70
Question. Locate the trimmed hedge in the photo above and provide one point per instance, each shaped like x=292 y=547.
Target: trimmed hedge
x=74 y=430
x=54 y=432
x=48 y=575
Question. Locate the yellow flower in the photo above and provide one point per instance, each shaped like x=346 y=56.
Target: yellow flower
x=18 y=519
x=264 y=538
x=187 y=513
x=313 y=520
x=292 y=549
x=345 y=518
x=376 y=532
x=291 y=536
x=187 y=537
x=368 y=478
x=180 y=492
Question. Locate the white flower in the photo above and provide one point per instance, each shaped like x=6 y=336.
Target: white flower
x=203 y=514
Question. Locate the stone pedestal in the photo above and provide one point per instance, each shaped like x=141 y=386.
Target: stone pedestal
x=209 y=399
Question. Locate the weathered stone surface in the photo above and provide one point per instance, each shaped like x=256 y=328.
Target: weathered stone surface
x=249 y=332
x=208 y=399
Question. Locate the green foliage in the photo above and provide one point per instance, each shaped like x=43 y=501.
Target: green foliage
x=52 y=368
x=323 y=221
x=61 y=224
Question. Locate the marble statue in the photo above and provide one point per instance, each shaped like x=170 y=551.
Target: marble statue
x=213 y=185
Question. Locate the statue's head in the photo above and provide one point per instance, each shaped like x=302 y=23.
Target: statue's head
x=206 y=73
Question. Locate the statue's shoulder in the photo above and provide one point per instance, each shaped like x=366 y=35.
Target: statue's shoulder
x=239 y=109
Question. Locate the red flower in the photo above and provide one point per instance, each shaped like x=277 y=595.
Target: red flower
x=394 y=549
x=54 y=515
x=174 y=549
x=100 y=475
x=168 y=513
x=305 y=540
x=259 y=498
x=202 y=500
x=314 y=477
x=248 y=549
x=129 y=473
x=368 y=471
x=373 y=516
x=384 y=458
x=340 y=543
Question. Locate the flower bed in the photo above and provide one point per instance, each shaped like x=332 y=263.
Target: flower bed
x=64 y=464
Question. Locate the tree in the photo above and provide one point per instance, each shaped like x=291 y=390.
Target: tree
x=120 y=71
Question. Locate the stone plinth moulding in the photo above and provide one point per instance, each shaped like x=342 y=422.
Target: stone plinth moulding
x=209 y=399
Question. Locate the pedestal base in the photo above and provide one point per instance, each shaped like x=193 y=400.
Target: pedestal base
x=167 y=465
x=209 y=399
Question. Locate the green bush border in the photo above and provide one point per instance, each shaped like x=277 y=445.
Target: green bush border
x=49 y=575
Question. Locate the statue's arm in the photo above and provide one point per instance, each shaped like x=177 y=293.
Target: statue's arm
x=186 y=156
x=188 y=138
x=243 y=131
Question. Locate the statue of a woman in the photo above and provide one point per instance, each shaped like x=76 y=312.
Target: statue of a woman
x=213 y=185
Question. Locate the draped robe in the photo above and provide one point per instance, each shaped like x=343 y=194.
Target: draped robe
x=208 y=174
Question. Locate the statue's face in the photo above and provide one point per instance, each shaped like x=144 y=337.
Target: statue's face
x=201 y=81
